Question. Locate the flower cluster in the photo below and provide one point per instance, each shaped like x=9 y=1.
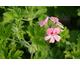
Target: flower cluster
x=53 y=31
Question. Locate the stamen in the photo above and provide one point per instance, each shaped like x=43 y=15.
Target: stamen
x=52 y=35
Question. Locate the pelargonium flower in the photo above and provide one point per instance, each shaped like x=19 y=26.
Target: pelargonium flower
x=56 y=20
x=52 y=35
x=43 y=22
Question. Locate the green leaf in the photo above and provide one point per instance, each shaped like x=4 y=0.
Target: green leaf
x=11 y=15
x=3 y=49
x=73 y=51
x=3 y=43
x=64 y=34
x=37 y=35
x=41 y=53
x=2 y=54
x=5 y=31
x=38 y=41
x=8 y=30
x=8 y=17
x=42 y=17
x=2 y=35
x=30 y=31
x=25 y=13
x=17 y=29
x=68 y=54
x=12 y=45
x=16 y=12
x=39 y=31
x=13 y=54
x=39 y=13
x=73 y=35
x=36 y=32
x=17 y=54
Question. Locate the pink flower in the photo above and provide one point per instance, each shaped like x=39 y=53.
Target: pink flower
x=52 y=33
x=43 y=22
x=56 y=20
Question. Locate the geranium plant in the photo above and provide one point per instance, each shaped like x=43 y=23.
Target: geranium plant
x=25 y=32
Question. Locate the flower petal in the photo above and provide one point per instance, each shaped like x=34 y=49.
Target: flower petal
x=47 y=37
x=52 y=40
x=54 y=19
x=50 y=31
x=47 y=18
x=42 y=23
x=56 y=30
x=60 y=25
x=57 y=37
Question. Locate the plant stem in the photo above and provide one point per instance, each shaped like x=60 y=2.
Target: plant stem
x=24 y=41
x=19 y=39
x=31 y=55
x=27 y=43
x=27 y=46
x=31 y=20
x=20 y=42
x=13 y=40
x=25 y=19
x=48 y=23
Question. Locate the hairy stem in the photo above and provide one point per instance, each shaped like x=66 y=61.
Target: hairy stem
x=31 y=55
x=13 y=40
x=25 y=19
x=31 y=20
x=20 y=42
x=23 y=40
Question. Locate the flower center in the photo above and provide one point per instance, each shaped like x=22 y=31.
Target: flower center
x=51 y=33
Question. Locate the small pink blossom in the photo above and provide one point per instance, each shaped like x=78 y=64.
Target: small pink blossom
x=43 y=22
x=52 y=33
x=56 y=20
x=47 y=18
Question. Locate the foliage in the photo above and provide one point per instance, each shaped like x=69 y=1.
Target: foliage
x=64 y=34
x=12 y=54
x=5 y=32
x=21 y=35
